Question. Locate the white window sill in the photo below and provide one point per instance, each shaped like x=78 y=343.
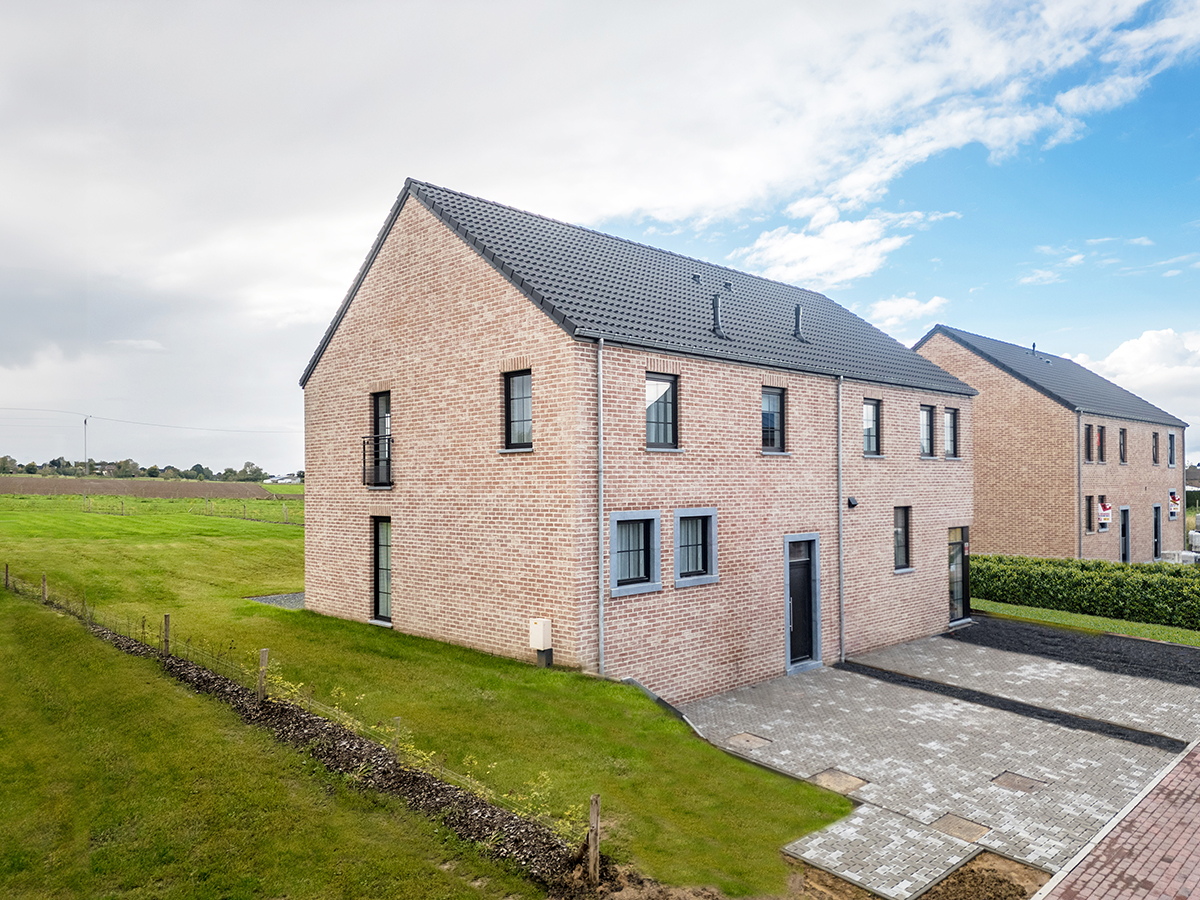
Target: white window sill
x=379 y=487
x=903 y=571
x=954 y=459
x=695 y=580
x=382 y=623
x=664 y=450
x=874 y=456
x=924 y=456
x=516 y=450
x=775 y=453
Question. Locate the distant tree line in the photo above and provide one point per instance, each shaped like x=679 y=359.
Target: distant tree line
x=128 y=468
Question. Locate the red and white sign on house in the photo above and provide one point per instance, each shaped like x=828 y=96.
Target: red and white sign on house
x=1105 y=514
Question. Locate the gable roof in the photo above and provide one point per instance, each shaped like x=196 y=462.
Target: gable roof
x=597 y=286
x=1060 y=379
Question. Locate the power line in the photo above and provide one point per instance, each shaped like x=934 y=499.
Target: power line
x=67 y=412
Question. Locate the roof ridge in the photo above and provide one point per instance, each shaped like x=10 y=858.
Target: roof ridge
x=623 y=240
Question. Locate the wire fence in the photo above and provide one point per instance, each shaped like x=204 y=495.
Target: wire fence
x=286 y=509
x=254 y=668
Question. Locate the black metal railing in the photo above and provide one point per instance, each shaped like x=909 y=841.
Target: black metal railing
x=377 y=460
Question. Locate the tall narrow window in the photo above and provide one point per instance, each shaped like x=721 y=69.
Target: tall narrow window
x=1154 y=448
x=1100 y=452
x=383 y=569
x=871 y=437
x=1087 y=443
x=772 y=420
x=377 y=446
x=927 y=413
x=1171 y=448
x=1157 y=531
x=661 y=411
x=1089 y=514
x=518 y=410
x=901 y=537
x=951 y=433
x=1121 y=452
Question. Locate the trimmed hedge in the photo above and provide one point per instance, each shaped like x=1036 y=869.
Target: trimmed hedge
x=1154 y=593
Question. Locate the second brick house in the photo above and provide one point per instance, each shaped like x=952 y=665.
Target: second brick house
x=1067 y=464
x=702 y=478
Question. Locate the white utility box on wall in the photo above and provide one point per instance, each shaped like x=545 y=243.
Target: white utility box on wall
x=539 y=634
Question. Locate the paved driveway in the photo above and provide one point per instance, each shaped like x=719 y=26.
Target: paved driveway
x=952 y=747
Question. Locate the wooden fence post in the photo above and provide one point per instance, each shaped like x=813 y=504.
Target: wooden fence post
x=122 y=506
x=396 y=737
x=6 y=576
x=594 y=841
x=143 y=629
x=167 y=634
x=44 y=594
x=284 y=513
x=262 y=674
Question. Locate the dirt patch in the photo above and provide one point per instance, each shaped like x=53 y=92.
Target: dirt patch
x=155 y=488
x=986 y=877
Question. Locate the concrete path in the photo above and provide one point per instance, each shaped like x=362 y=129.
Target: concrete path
x=940 y=778
x=1153 y=853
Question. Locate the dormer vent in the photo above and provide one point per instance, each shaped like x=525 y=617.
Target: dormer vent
x=717 y=329
x=696 y=278
x=799 y=333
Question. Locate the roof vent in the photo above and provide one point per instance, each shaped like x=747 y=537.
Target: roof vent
x=799 y=333
x=729 y=286
x=696 y=278
x=717 y=329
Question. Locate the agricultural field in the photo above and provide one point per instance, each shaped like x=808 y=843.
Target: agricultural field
x=675 y=807
x=135 y=487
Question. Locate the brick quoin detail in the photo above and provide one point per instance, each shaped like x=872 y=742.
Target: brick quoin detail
x=482 y=541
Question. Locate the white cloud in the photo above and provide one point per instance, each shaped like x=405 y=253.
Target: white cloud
x=1141 y=241
x=899 y=310
x=1072 y=260
x=1041 y=276
x=1103 y=240
x=1171 y=273
x=1162 y=367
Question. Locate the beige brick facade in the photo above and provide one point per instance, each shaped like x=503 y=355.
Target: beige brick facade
x=483 y=540
x=1032 y=478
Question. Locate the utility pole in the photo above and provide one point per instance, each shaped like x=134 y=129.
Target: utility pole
x=87 y=468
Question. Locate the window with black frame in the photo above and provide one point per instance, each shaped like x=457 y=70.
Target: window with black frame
x=377 y=446
x=871 y=438
x=518 y=410
x=951 y=437
x=772 y=420
x=383 y=569
x=927 y=413
x=901 y=537
x=662 y=431
x=692 y=545
x=632 y=553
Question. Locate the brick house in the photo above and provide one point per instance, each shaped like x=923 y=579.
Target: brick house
x=1067 y=463
x=460 y=482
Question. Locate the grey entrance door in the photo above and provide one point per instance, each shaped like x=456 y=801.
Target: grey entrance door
x=800 y=601
x=1125 y=534
x=960 y=586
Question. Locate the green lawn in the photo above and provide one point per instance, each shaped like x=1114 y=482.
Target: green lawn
x=680 y=810
x=1090 y=623
x=115 y=781
x=290 y=509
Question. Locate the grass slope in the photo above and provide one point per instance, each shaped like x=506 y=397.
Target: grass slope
x=1090 y=623
x=679 y=809
x=116 y=782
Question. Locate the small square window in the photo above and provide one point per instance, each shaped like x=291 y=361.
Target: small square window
x=695 y=546
x=1121 y=451
x=927 y=414
x=901 y=537
x=772 y=419
x=518 y=410
x=661 y=411
x=951 y=436
x=634 y=552
x=872 y=445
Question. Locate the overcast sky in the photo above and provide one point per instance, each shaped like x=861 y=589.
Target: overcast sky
x=189 y=188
